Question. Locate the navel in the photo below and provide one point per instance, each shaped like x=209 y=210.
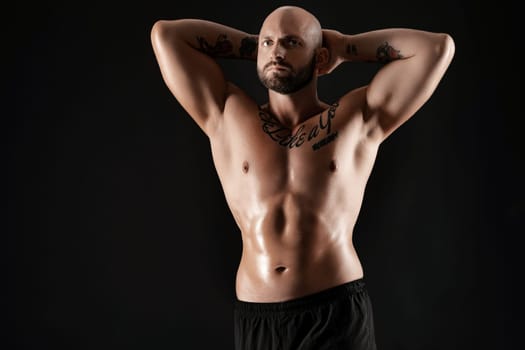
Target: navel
x=245 y=167
x=332 y=166
x=280 y=269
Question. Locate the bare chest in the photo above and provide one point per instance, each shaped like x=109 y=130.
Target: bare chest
x=258 y=152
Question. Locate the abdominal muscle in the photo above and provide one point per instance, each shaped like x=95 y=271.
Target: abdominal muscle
x=290 y=252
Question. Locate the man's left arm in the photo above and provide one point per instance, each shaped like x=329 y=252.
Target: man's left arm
x=414 y=63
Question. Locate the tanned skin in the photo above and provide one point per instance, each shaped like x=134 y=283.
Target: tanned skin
x=294 y=170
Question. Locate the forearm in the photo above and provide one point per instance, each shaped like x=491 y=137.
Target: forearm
x=386 y=45
x=214 y=39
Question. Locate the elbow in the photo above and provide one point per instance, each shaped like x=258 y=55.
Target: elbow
x=163 y=29
x=446 y=47
x=450 y=47
x=160 y=29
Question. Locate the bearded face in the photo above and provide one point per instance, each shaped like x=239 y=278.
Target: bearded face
x=283 y=78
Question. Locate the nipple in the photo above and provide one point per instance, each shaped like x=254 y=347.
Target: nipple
x=245 y=167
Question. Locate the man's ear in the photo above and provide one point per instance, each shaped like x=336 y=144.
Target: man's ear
x=322 y=56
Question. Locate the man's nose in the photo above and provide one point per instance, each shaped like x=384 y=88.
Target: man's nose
x=278 y=52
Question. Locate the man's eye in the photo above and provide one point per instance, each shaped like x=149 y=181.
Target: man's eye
x=293 y=42
x=266 y=43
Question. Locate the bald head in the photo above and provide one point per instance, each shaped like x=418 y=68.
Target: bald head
x=294 y=20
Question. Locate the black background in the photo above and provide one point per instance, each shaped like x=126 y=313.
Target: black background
x=118 y=234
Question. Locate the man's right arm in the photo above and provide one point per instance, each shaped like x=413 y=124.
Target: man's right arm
x=185 y=51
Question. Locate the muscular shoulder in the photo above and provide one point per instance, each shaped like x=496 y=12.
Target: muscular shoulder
x=350 y=107
x=237 y=97
x=353 y=100
x=354 y=104
x=237 y=105
x=237 y=101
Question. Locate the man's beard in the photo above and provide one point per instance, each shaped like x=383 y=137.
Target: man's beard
x=295 y=81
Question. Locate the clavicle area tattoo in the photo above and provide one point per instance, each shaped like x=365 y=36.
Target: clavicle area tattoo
x=318 y=135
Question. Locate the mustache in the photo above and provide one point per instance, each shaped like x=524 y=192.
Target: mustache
x=280 y=63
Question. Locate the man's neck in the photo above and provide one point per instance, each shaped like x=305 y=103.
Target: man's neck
x=293 y=109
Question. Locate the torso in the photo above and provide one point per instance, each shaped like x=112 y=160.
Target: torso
x=295 y=200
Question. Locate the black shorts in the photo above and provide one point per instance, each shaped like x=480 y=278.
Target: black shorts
x=336 y=318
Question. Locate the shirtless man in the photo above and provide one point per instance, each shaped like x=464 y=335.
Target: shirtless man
x=294 y=170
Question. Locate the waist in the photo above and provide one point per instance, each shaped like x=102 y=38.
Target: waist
x=324 y=296
x=280 y=274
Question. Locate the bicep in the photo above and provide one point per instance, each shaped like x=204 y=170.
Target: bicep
x=194 y=79
x=401 y=87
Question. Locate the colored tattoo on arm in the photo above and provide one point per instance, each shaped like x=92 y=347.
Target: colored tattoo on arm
x=386 y=53
x=223 y=46
x=248 y=48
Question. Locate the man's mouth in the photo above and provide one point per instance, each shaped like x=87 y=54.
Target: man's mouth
x=278 y=67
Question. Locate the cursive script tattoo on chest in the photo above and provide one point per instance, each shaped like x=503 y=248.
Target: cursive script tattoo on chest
x=319 y=134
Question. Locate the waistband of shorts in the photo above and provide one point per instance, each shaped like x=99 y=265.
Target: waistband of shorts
x=301 y=303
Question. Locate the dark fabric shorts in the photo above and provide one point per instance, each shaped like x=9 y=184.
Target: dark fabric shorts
x=336 y=318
